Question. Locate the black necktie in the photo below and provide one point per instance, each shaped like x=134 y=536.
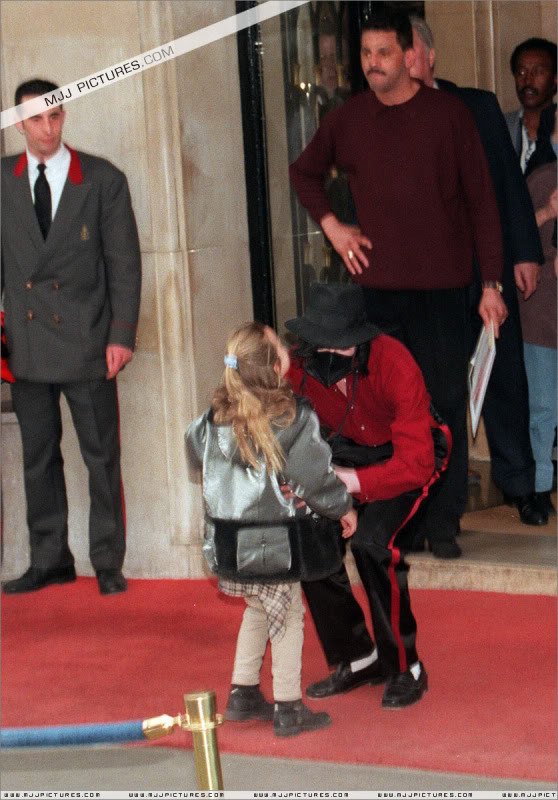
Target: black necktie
x=43 y=203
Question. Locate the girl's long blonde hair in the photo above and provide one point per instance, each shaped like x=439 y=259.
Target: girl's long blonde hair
x=253 y=396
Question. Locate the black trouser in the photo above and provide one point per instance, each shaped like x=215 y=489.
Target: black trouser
x=506 y=404
x=377 y=547
x=94 y=409
x=434 y=326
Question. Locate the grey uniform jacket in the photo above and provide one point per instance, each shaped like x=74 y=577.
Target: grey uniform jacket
x=234 y=491
x=69 y=296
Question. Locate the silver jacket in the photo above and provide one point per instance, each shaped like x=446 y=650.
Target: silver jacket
x=233 y=490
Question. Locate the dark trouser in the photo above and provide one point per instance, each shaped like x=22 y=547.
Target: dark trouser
x=94 y=409
x=434 y=326
x=377 y=547
x=506 y=404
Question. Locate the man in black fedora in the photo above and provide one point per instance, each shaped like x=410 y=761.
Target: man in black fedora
x=389 y=447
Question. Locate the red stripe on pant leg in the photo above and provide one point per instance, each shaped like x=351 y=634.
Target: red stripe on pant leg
x=122 y=500
x=395 y=559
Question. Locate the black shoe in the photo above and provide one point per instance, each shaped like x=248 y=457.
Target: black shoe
x=345 y=680
x=545 y=503
x=402 y=689
x=445 y=549
x=529 y=511
x=417 y=545
x=111 y=581
x=247 y=702
x=290 y=719
x=36 y=578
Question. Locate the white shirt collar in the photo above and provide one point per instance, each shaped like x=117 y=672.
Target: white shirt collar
x=56 y=162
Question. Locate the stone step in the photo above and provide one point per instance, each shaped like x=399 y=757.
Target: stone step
x=500 y=554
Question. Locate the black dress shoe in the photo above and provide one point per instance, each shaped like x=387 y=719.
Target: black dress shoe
x=417 y=545
x=111 y=581
x=403 y=689
x=445 y=549
x=36 y=578
x=343 y=679
x=529 y=511
x=545 y=503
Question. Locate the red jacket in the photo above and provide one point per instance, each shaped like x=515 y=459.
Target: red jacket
x=391 y=404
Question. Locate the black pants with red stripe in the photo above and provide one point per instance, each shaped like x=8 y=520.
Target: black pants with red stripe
x=377 y=546
x=94 y=409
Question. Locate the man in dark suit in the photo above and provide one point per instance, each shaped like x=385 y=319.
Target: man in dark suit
x=506 y=409
x=71 y=276
x=533 y=66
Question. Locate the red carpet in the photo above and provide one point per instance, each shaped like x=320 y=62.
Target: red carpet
x=70 y=656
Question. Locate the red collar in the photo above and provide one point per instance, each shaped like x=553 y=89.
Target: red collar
x=74 y=173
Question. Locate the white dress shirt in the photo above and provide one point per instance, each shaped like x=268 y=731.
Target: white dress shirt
x=527 y=146
x=56 y=172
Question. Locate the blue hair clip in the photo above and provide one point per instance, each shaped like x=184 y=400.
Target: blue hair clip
x=231 y=361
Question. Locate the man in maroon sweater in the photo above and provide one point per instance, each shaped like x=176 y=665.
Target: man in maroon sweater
x=366 y=387
x=424 y=197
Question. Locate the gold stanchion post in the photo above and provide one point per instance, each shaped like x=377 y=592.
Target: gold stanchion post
x=202 y=720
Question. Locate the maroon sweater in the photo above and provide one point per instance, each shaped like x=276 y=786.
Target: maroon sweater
x=391 y=405
x=421 y=186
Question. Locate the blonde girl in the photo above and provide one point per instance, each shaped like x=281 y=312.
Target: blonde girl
x=255 y=438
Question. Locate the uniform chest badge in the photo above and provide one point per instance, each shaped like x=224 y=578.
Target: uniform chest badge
x=84 y=235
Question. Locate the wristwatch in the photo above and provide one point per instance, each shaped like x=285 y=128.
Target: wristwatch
x=493 y=285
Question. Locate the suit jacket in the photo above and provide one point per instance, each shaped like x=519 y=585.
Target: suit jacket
x=519 y=228
x=69 y=296
x=513 y=121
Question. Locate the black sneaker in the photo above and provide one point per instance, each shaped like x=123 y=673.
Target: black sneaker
x=247 y=702
x=343 y=680
x=292 y=718
x=403 y=689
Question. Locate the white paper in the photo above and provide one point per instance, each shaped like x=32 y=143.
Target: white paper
x=480 y=367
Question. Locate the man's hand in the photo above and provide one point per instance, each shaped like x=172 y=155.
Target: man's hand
x=349 y=523
x=544 y=213
x=493 y=309
x=117 y=358
x=349 y=477
x=348 y=241
x=527 y=275
x=553 y=202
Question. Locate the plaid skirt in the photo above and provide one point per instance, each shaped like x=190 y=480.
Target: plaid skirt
x=274 y=597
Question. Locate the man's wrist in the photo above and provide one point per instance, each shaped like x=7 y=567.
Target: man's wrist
x=327 y=221
x=493 y=285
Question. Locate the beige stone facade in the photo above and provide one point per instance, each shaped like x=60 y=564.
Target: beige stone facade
x=176 y=131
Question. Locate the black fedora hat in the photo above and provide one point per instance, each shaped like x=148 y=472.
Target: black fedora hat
x=334 y=317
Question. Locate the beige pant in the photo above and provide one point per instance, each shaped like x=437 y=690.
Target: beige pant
x=286 y=655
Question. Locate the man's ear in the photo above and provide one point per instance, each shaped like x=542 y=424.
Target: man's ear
x=410 y=58
x=19 y=126
x=431 y=58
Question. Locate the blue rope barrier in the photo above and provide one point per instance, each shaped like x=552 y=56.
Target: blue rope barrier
x=64 y=735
